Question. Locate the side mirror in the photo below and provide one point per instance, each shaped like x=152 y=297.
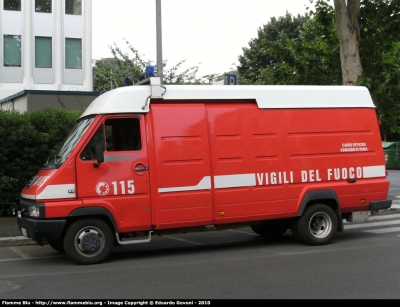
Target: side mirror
x=99 y=155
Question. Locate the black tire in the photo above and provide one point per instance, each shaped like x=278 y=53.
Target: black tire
x=255 y=228
x=270 y=229
x=57 y=245
x=295 y=232
x=88 y=241
x=317 y=226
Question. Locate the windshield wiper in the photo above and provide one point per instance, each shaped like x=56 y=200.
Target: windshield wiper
x=54 y=158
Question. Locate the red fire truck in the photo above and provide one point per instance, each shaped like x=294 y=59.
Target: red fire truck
x=156 y=159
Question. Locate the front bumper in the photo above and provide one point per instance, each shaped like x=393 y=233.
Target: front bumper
x=41 y=229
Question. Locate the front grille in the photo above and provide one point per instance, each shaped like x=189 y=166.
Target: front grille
x=31 y=181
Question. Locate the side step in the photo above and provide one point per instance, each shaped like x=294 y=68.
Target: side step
x=135 y=241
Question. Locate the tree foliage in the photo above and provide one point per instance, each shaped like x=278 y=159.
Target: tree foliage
x=260 y=63
x=380 y=55
x=379 y=48
x=19 y=136
x=292 y=50
x=109 y=73
x=306 y=50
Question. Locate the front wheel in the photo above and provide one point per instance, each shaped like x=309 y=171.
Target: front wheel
x=57 y=245
x=317 y=226
x=88 y=241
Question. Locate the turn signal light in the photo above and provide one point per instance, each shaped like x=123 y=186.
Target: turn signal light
x=221 y=213
x=363 y=201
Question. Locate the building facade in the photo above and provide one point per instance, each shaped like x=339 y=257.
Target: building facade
x=46 y=45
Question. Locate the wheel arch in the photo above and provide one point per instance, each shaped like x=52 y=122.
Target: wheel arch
x=94 y=212
x=328 y=197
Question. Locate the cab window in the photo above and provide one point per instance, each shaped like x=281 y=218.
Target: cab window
x=117 y=134
x=123 y=134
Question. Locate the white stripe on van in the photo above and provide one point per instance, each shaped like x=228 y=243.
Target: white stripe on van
x=28 y=196
x=58 y=191
x=234 y=181
x=374 y=171
x=204 y=184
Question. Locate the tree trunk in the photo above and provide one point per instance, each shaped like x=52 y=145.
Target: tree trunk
x=348 y=31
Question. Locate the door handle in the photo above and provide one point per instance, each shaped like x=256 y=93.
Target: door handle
x=141 y=169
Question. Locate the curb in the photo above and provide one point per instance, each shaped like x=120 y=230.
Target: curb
x=16 y=241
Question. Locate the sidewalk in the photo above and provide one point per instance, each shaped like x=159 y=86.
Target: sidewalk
x=10 y=234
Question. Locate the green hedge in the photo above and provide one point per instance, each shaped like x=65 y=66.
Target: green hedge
x=26 y=140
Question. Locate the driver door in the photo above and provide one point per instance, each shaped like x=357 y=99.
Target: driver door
x=120 y=183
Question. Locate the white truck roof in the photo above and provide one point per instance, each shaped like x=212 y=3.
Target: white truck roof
x=136 y=99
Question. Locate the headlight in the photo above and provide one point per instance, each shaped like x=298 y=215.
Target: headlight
x=33 y=211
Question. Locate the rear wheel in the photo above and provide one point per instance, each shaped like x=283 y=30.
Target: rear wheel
x=317 y=226
x=270 y=229
x=295 y=232
x=88 y=241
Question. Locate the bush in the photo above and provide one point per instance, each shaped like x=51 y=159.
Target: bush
x=53 y=126
x=26 y=142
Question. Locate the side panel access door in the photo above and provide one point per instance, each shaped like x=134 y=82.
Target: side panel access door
x=120 y=183
x=183 y=179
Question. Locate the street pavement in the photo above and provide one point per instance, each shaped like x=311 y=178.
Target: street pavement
x=10 y=234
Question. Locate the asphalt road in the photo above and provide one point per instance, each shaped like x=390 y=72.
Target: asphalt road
x=361 y=263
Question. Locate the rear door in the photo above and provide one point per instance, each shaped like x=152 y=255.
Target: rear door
x=121 y=182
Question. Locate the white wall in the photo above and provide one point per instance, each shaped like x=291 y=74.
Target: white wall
x=57 y=25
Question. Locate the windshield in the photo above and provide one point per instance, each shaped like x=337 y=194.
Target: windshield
x=73 y=137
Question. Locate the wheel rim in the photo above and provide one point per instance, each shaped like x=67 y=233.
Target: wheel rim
x=89 y=241
x=320 y=225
